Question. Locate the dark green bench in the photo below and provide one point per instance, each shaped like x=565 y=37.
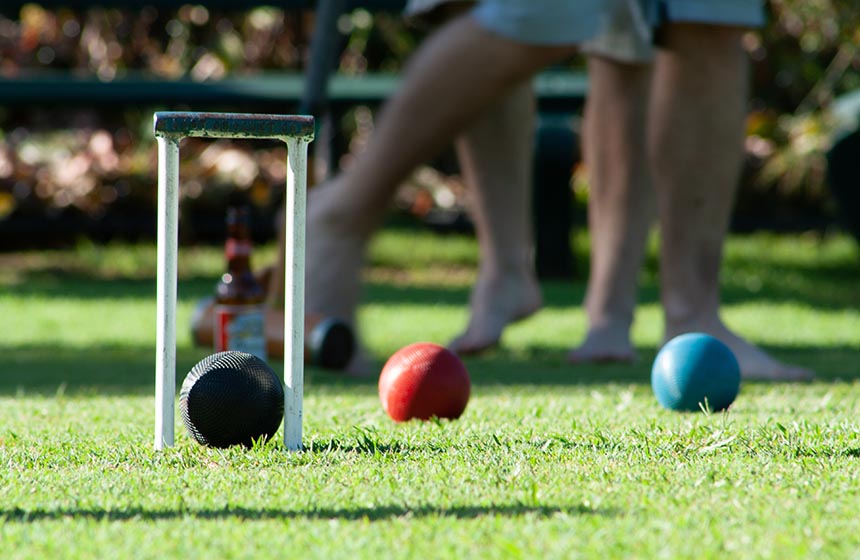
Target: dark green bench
x=318 y=91
x=556 y=91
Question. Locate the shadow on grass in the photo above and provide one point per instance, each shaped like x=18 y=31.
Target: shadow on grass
x=825 y=287
x=755 y=278
x=62 y=284
x=103 y=370
x=46 y=369
x=379 y=513
x=748 y=279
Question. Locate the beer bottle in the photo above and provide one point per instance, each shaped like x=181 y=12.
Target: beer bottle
x=239 y=299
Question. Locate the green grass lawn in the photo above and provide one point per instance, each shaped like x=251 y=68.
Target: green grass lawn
x=548 y=461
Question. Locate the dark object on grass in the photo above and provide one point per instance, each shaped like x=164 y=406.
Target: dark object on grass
x=843 y=177
x=329 y=342
x=231 y=398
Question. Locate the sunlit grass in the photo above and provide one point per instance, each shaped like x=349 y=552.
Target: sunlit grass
x=549 y=460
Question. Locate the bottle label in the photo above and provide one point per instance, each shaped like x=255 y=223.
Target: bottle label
x=241 y=328
x=237 y=248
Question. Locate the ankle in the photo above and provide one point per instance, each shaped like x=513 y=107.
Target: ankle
x=610 y=326
x=512 y=263
x=605 y=318
x=677 y=324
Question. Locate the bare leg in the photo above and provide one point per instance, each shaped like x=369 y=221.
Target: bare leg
x=456 y=74
x=495 y=155
x=698 y=108
x=621 y=204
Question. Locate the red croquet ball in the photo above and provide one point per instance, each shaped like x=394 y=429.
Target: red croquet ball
x=424 y=380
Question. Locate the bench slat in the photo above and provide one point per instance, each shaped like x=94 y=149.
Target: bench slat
x=14 y=6
x=55 y=87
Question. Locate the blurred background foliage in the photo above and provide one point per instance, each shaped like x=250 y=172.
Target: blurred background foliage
x=71 y=171
x=803 y=60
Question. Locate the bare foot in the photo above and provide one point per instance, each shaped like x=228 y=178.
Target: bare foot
x=496 y=302
x=598 y=349
x=604 y=345
x=755 y=363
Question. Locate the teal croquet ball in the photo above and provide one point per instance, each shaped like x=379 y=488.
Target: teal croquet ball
x=695 y=368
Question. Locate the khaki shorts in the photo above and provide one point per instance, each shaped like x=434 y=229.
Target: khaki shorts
x=619 y=29
x=628 y=33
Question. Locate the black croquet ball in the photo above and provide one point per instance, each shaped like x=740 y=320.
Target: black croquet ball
x=231 y=398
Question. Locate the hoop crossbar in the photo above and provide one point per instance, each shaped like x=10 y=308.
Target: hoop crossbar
x=233 y=125
x=296 y=131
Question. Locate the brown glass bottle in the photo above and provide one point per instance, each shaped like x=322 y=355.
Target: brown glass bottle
x=239 y=299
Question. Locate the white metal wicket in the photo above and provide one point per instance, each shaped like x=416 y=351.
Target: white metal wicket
x=170 y=128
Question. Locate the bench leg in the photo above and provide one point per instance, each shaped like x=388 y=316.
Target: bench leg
x=556 y=146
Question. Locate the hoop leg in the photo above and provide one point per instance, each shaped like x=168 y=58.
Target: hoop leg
x=168 y=246
x=294 y=296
